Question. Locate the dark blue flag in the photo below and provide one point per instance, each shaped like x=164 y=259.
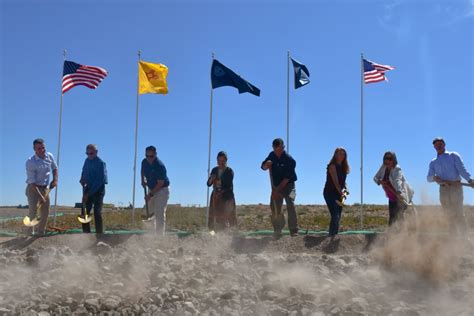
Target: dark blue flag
x=301 y=74
x=222 y=76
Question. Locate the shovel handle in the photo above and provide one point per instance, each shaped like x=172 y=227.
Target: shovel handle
x=273 y=187
x=146 y=202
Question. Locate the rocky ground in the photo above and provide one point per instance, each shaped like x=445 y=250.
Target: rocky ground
x=231 y=274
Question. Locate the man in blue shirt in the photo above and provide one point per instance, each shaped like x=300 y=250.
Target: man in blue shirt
x=93 y=181
x=446 y=170
x=153 y=174
x=38 y=169
x=283 y=176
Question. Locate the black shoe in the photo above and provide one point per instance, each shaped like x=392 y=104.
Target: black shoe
x=294 y=232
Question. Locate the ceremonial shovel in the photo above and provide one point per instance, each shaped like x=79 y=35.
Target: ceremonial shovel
x=31 y=223
x=87 y=218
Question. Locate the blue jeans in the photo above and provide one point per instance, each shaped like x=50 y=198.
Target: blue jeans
x=335 y=210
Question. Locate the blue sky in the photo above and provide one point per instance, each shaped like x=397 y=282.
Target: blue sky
x=430 y=93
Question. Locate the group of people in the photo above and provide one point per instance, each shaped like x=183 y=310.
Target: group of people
x=93 y=180
x=446 y=169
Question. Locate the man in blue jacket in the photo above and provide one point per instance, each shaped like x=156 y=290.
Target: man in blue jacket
x=93 y=181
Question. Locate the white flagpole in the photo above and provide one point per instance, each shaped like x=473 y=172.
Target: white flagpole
x=362 y=141
x=59 y=139
x=136 y=137
x=288 y=103
x=209 y=152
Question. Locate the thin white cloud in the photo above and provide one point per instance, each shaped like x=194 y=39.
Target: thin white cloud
x=403 y=17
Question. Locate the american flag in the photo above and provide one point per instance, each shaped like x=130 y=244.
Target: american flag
x=374 y=72
x=81 y=75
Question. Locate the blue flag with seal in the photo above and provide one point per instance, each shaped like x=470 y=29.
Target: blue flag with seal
x=301 y=74
x=222 y=76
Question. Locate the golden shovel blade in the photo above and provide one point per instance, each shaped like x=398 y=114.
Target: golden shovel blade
x=85 y=220
x=30 y=223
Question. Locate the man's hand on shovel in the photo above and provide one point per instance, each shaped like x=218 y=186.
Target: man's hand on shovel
x=148 y=197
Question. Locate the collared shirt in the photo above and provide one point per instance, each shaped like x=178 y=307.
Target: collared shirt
x=39 y=169
x=448 y=166
x=282 y=168
x=94 y=174
x=154 y=172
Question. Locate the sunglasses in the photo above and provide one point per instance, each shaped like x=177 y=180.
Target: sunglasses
x=388 y=158
x=150 y=156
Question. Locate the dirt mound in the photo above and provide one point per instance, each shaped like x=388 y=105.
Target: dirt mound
x=221 y=275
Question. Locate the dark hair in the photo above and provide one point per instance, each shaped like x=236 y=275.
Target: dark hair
x=438 y=139
x=38 y=141
x=345 y=165
x=151 y=148
x=394 y=157
x=222 y=154
x=277 y=142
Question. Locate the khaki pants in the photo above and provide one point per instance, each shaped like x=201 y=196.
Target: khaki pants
x=157 y=205
x=451 y=198
x=277 y=217
x=33 y=200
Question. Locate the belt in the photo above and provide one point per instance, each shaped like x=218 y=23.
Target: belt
x=453 y=183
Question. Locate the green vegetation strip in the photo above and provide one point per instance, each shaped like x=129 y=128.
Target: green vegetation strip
x=313 y=232
x=18 y=218
x=181 y=233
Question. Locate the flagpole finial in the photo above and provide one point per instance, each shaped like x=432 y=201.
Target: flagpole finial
x=64 y=53
x=212 y=55
x=139 y=53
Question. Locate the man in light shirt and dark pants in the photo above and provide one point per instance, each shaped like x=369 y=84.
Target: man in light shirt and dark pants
x=446 y=170
x=38 y=170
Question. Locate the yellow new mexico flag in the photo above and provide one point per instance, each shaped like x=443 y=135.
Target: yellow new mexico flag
x=152 y=78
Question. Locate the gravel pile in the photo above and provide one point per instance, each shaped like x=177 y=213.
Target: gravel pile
x=222 y=275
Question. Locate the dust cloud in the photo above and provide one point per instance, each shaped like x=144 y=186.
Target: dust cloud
x=406 y=271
